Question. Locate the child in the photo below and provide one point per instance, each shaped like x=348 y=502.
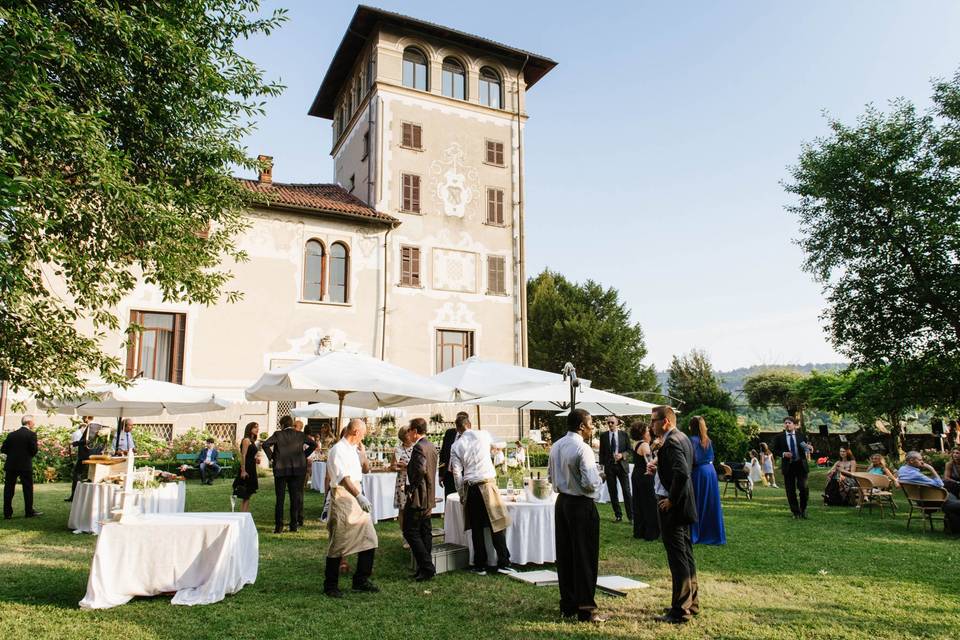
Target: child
x=756 y=475
x=766 y=460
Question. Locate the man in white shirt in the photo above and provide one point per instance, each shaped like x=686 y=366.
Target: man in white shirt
x=476 y=482
x=124 y=443
x=573 y=474
x=350 y=525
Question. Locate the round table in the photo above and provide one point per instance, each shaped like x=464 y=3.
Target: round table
x=530 y=536
x=94 y=501
x=378 y=487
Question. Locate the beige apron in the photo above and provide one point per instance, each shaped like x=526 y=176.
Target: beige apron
x=496 y=511
x=350 y=527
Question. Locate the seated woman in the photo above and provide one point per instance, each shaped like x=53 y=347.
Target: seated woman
x=841 y=491
x=951 y=473
x=878 y=466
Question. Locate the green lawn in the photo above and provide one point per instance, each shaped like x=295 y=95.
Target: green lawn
x=837 y=575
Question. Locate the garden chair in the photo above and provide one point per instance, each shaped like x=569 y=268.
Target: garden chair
x=739 y=478
x=872 y=492
x=926 y=499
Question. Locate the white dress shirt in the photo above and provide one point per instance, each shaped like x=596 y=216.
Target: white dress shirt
x=470 y=458
x=343 y=461
x=124 y=442
x=78 y=435
x=572 y=468
x=209 y=458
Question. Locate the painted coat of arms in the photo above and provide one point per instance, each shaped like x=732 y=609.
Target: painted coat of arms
x=456 y=183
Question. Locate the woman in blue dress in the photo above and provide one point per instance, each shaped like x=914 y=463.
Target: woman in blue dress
x=706 y=488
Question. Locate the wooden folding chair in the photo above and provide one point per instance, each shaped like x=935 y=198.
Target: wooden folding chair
x=927 y=500
x=729 y=476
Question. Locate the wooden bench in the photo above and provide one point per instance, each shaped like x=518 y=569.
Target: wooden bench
x=225 y=461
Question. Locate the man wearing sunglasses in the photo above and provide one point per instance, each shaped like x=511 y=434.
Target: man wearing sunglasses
x=614 y=445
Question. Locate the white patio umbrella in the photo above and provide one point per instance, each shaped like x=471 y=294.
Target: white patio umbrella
x=556 y=397
x=144 y=397
x=350 y=379
x=476 y=378
x=326 y=410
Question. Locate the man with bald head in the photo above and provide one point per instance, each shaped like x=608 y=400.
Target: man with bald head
x=912 y=473
x=287 y=450
x=350 y=524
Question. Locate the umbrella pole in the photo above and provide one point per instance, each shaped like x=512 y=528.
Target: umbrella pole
x=336 y=434
x=479 y=427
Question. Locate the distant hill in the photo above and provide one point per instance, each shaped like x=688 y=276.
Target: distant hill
x=732 y=381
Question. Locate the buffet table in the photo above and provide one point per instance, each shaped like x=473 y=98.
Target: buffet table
x=378 y=487
x=201 y=557
x=530 y=536
x=93 y=503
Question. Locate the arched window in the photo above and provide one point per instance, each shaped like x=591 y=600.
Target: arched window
x=313 y=271
x=454 y=79
x=339 y=272
x=414 y=69
x=490 y=88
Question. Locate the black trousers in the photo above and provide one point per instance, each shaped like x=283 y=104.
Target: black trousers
x=10 y=487
x=294 y=486
x=685 y=600
x=449 y=484
x=795 y=482
x=578 y=553
x=79 y=469
x=478 y=519
x=209 y=471
x=331 y=574
x=616 y=473
x=418 y=533
x=951 y=514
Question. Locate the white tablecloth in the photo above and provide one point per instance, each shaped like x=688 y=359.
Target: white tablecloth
x=530 y=536
x=200 y=556
x=603 y=496
x=377 y=487
x=93 y=503
x=317 y=471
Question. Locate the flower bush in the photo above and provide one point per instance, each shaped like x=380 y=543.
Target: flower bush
x=54 y=459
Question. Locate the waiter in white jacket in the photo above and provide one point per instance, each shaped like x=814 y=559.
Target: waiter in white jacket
x=476 y=482
x=350 y=525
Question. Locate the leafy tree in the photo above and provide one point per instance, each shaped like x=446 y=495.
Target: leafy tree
x=731 y=441
x=587 y=325
x=120 y=124
x=692 y=380
x=885 y=393
x=776 y=388
x=879 y=212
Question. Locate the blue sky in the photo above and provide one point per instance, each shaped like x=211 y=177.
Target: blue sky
x=655 y=150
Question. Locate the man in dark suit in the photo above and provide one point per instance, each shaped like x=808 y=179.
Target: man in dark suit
x=678 y=510
x=449 y=437
x=207 y=462
x=288 y=450
x=20 y=447
x=791 y=447
x=81 y=441
x=421 y=499
x=614 y=445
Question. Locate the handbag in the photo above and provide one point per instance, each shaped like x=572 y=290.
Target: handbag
x=240 y=488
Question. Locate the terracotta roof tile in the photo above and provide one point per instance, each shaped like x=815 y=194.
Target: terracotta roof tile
x=321 y=198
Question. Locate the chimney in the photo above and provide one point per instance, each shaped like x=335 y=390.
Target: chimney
x=266 y=169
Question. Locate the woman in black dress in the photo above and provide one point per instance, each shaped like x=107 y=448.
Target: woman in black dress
x=645 y=523
x=249 y=454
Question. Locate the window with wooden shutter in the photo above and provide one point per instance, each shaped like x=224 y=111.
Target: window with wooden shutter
x=156 y=351
x=410 y=266
x=495 y=206
x=411 y=136
x=411 y=193
x=495 y=153
x=496 y=275
x=453 y=347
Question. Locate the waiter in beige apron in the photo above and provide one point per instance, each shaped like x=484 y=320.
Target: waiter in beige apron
x=350 y=524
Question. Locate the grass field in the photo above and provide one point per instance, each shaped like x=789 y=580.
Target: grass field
x=837 y=575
